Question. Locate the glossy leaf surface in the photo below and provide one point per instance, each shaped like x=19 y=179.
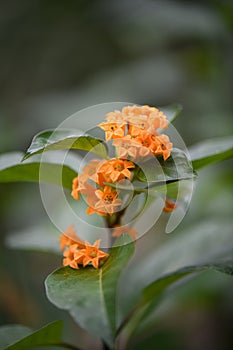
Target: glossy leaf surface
x=52 y=140
x=18 y=337
x=13 y=170
x=153 y=293
x=176 y=167
x=211 y=151
x=89 y=294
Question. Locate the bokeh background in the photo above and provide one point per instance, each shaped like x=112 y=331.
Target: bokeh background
x=58 y=57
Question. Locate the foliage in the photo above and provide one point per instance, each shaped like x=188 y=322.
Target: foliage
x=18 y=337
x=90 y=295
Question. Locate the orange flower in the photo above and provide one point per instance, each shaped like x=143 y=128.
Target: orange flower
x=147 y=140
x=91 y=210
x=80 y=185
x=164 y=147
x=89 y=170
x=69 y=257
x=108 y=200
x=81 y=252
x=126 y=147
x=145 y=118
x=120 y=230
x=169 y=206
x=91 y=254
x=69 y=237
x=137 y=124
x=138 y=110
x=65 y=241
x=92 y=200
x=75 y=188
x=158 y=120
x=102 y=176
x=113 y=130
x=116 y=169
x=114 y=117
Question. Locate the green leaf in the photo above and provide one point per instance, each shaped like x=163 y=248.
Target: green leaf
x=199 y=243
x=176 y=167
x=11 y=334
x=211 y=151
x=171 y=111
x=18 y=337
x=51 y=140
x=12 y=170
x=41 y=238
x=153 y=293
x=89 y=294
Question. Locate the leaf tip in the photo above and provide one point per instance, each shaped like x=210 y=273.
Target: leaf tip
x=26 y=156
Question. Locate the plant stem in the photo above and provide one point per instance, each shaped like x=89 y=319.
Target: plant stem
x=105 y=346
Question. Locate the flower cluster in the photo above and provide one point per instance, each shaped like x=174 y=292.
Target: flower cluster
x=101 y=198
x=135 y=131
x=78 y=252
x=135 y=134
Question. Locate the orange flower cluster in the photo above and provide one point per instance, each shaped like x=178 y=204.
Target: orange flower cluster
x=101 y=198
x=78 y=252
x=135 y=131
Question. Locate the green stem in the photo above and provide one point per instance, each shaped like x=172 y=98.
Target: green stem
x=151 y=185
x=112 y=221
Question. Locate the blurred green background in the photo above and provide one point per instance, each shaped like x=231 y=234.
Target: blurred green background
x=58 y=57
